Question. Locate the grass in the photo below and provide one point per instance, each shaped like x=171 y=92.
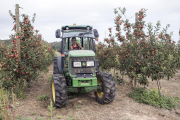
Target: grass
x=50 y=80
x=7 y=98
x=20 y=118
x=70 y=118
x=37 y=84
x=59 y=117
x=153 y=98
x=40 y=118
x=41 y=76
x=51 y=109
x=33 y=114
x=42 y=97
x=23 y=96
x=85 y=99
x=77 y=106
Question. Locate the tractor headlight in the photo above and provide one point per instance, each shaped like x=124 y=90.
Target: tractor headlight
x=90 y=63
x=76 y=64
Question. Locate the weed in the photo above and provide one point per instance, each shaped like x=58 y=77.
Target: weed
x=85 y=99
x=41 y=76
x=50 y=80
x=29 y=85
x=71 y=96
x=27 y=119
x=37 y=84
x=51 y=108
x=23 y=96
x=153 y=98
x=77 y=106
x=59 y=117
x=33 y=114
x=20 y=118
x=5 y=105
x=42 y=97
x=124 y=81
x=70 y=118
x=40 y=118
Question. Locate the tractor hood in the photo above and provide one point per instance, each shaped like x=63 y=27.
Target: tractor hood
x=81 y=53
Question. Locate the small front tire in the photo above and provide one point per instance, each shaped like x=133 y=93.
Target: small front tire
x=107 y=93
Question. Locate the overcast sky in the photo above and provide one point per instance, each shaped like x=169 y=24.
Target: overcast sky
x=52 y=14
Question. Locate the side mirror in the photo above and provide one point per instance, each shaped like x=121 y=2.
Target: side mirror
x=96 y=34
x=58 y=33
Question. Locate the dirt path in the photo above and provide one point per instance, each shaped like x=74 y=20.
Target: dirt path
x=86 y=108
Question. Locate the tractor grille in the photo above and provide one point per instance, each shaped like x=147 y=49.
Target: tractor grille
x=84 y=70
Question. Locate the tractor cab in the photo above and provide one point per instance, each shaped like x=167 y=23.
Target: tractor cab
x=84 y=35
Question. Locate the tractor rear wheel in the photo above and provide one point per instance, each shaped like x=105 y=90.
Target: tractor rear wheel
x=106 y=90
x=55 y=69
x=59 y=90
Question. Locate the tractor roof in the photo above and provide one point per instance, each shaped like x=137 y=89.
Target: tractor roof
x=68 y=27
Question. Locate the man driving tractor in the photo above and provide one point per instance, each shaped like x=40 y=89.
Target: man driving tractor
x=75 y=45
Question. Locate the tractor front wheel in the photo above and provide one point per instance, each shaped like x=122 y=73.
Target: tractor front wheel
x=59 y=90
x=106 y=88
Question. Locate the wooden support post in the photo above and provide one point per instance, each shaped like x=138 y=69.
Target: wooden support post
x=1 y=53
x=18 y=44
x=136 y=19
x=17 y=31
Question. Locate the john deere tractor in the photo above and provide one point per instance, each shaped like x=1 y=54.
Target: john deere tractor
x=77 y=71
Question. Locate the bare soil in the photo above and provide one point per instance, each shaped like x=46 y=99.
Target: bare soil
x=84 y=107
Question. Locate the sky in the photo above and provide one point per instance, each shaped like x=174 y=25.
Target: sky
x=52 y=14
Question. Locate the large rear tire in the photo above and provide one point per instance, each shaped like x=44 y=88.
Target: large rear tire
x=106 y=94
x=59 y=90
x=55 y=70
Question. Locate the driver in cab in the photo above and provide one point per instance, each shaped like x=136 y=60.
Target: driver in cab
x=75 y=46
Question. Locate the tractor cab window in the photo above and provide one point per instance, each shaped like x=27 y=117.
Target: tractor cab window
x=65 y=45
x=87 y=43
x=67 y=42
x=78 y=41
x=83 y=38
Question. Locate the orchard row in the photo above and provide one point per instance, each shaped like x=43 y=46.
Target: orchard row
x=36 y=54
x=138 y=54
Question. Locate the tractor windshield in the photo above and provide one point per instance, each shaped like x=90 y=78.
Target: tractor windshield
x=85 y=42
x=78 y=33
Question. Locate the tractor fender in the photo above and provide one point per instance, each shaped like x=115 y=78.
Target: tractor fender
x=59 y=63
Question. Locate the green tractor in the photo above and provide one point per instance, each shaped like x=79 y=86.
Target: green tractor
x=77 y=71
